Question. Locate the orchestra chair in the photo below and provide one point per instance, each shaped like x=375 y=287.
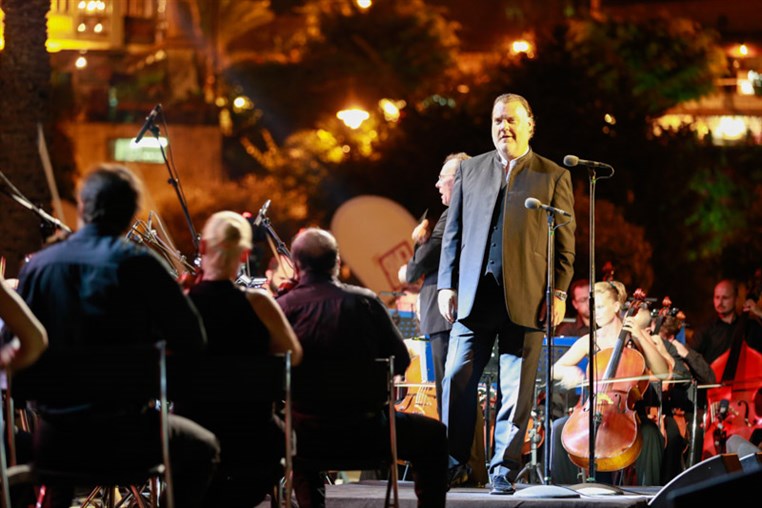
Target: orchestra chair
x=332 y=419
x=114 y=377
x=238 y=398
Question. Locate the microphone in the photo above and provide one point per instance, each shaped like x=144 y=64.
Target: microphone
x=262 y=213
x=534 y=204
x=573 y=160
x=148 y=123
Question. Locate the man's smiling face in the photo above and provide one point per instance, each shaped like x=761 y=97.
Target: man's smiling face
x=511 y=129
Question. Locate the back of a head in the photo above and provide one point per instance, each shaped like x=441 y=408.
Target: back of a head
x=226 y=235
x=315 y=251
x=109 y=198
x=670 y=326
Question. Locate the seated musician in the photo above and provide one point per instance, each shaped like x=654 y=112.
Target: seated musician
x=677 y=406
x=240 y=321
x=96 y=289
x=610 y=297
x=342 y=329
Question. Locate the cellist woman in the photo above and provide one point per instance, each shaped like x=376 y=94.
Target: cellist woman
x=610 y=298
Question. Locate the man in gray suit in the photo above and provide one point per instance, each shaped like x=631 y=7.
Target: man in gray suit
x=492 y=279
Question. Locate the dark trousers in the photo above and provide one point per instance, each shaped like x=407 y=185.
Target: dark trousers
x=471 y=343
x=421 y=440
x=127 y=441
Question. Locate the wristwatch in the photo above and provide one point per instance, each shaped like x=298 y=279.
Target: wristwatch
x=561 y=295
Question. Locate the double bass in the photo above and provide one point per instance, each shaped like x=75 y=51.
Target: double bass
x=617 y=440
x=735 y=407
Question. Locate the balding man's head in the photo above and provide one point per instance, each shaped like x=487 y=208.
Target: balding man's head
x=315 y=251
x=725 y=294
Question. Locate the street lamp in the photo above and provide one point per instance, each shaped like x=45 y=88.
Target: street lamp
x=353 y=117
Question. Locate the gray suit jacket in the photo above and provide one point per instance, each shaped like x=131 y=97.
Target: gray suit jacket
x=525 y=233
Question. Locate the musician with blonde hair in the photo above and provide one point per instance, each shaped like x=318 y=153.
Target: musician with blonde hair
x=610 y=299
x=238 y=321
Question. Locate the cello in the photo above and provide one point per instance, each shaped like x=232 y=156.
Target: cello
x=617 y=440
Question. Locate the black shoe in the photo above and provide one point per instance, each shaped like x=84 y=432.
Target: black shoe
x=458 y=476
x=501 y=486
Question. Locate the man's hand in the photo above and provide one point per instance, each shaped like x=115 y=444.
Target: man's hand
x=447 y=299
x=680 y=347
x=559 y=311
x=751 y=307
x=422 y=233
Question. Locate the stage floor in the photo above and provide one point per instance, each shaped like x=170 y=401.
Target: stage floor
x=371 y=493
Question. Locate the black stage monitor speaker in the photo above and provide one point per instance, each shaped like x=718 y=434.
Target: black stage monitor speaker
x=749 y=454
x=752 y=462
x=713 y=467
x=734 y=488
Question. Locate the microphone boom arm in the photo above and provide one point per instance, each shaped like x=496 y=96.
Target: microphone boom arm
x=23 y=201
x=175 y=182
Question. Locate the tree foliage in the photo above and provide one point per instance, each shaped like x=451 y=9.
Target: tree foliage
x=657 y=63
x=396 y=50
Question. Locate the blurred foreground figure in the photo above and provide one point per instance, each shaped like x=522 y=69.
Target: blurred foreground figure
x=97 y=289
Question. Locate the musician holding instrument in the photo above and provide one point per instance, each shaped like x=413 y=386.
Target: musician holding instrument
x=677 y=405
x=425 y=264
x=343 y=328
x=97 y=289
x=610 y=298
x=238 y=321
x=732 y=344
x=714 y=338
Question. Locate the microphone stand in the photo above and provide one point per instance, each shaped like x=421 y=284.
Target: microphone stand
x=175 y=182
x=280 y=247
x=281 y=251
x=549 y=329
x=547 y=488
x=594 y=419
x=18 y=197
x=592 y=424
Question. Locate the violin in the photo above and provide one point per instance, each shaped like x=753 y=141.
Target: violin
x=188 y=279
x=286 y=286
x=617 y=440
